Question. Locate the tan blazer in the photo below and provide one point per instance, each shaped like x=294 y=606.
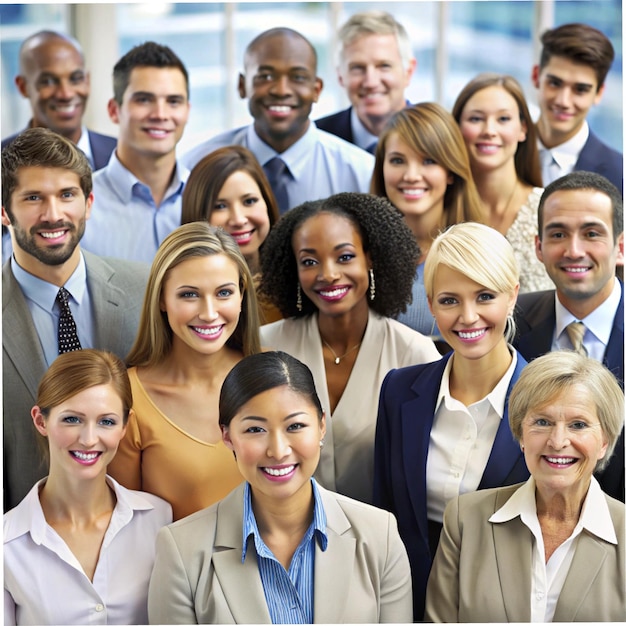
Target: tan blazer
x=482 y=571
x=198 y=576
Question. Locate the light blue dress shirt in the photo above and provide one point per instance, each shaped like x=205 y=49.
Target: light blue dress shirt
x=321 y=164
x=44 y=309
x=289 y=594
x=417 y=315
x=125 y=222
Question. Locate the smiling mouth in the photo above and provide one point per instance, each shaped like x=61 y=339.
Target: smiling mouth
x=471 y=334
x=282 y=471
x=242 y=237
x=208 y=331
x=560 y=460
x=85 y=456
x=333 y=294
x=53 y=235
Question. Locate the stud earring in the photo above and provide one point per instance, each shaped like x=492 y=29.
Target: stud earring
x=321 y=443
x=299 y=298
x=372 y=285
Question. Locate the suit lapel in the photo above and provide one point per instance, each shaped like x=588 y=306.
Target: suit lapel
x=588 y=558
x=614 y=355
x=334 y=568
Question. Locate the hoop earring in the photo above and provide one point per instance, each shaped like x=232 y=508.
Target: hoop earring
x=299 y=298
x=509 y=328
x=372 y=285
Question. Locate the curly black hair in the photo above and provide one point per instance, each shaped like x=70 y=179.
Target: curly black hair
x=390 y=243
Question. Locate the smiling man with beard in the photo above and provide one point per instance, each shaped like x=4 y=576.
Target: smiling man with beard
x=301 y=162
x=46 y=200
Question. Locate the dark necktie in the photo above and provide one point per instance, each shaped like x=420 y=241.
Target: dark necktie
x=68 y=337
x=277 y=174
x=576 y=332
x=372 y=147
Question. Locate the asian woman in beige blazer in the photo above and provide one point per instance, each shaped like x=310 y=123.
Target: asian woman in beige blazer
x=279 y=548
x=552 y=548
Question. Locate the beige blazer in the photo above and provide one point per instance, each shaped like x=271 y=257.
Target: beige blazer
x=198 y=577
x=482 y=571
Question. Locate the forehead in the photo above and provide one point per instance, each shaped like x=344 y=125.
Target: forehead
x=53 y=55
x=328 y=228
x=157 y=80
x=372 y=46
x=574 y=400
x=577 y=207
x=493 y=97
x=45 y=178
x=211 y=269
x=282 y=50
x=277 y=403
x=568 y=71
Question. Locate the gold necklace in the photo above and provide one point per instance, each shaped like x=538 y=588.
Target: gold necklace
x=338 y=358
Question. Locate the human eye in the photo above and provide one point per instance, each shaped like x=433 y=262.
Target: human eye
x=446 y=300
x=219 y=206
x=71 y=419
x=579 y=425
x=296 y=426
x=593 y=234
x=251 y=201
x=253 y=430
x=299 y=77
x=395 y=160
x=108 y=422
x=32 y=197
x=429 y=161
x=225 y=292
x=556 y=234
x=541 y=421
x=142 y=98
x=175 y=100
x=187 y=294
x=474 y=119
x=553 y=82
x=47 y=81
x=357 y=69
x=486 y=296
x=346 y=257
x=308 y=262
x=503 y=119
x=68 y=195
x=582 y=89
x=263 y=77
x=77 y=78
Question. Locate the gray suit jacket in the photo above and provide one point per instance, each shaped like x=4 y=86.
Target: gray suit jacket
x=482 y=571
x=198 y=576
x=116 y=289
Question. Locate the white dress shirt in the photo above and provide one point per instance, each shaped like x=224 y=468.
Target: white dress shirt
x=548 y=578
x=561 y=159
x=598 y=324
x=461 y=440
x=44 y=583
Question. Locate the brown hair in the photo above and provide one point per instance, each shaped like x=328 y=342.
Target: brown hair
x=527 y=164
x=209 y=175
x=431 y=131
x=581 y=44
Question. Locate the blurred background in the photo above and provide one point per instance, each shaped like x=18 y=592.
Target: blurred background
x=452 y=41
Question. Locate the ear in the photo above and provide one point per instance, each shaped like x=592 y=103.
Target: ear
x=39 y=420
x=605 y=445
x=21 y=85
x=5 y=218
x=523 y=131
x=323 y=425
x=534 y=77
x=340 y=77
x=241 y=86
x=409 y=72
x=113 y=109
x=228 y=442
x=620 y=250
x=430 y=305
x=538 y=250
x=599 y=95
x=319 y=85
x=513 y=299
x=88 y=204
x=450 y=178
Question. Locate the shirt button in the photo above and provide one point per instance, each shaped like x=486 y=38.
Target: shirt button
x=99 y=607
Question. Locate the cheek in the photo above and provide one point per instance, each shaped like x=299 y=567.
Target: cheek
x=218 y=218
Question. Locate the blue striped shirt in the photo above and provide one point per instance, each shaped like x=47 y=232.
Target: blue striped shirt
x=289 y=594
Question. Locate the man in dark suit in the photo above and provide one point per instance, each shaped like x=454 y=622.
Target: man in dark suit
x=375 y=67
x=570 y=77
x=53 y=78
x=46 y=199
x=580 y=242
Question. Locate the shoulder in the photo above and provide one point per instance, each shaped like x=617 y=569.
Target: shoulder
x=102 y=140
x=234 y=136
x=333 y=123
x=409 y=344
x=130 y=271
x=343 y=150
x=399 y=381
x=534 y=197
x=283 y=329
x=482 y=503
x=595 y=143
x=154 y=506
x=532 y=301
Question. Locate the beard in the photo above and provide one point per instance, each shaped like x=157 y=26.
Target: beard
x=51 y=255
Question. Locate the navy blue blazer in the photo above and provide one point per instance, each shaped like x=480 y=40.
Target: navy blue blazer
x=406 y=412
x=101 y=147
x=597 y=157
x=338 y=124
x=535 y=318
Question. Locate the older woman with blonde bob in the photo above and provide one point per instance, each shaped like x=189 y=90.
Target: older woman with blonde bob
x=199 y=319
x=80 y=546
x=423 y=168
x=552 y=548
x=442 y=428
x=501 y=140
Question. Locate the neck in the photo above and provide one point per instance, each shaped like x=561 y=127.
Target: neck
x=375 y=123
x=282 y=142
x=426 y=227
x=561 y=505
x=291 y=515
x=54 y=274
x=581 y=308
x=344 y=331
x=551 y=138
x=154 y=171
x=253 y=263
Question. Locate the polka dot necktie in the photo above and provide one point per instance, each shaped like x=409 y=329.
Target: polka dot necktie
x=576 y=332
x=68 y=337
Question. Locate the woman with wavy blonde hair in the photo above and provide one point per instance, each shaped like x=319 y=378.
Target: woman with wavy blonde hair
x=199 y=319
x=423 y=168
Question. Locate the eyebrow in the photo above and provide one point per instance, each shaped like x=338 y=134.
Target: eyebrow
x=337 y=247
x=578 y=84
x=30 y=192
x=196 y=287
x=563 y=226
x=258 y=418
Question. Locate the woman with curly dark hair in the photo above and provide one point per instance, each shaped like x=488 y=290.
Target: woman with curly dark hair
x=340 y=269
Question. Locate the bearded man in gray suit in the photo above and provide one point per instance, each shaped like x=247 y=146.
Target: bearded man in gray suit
x=46 y=199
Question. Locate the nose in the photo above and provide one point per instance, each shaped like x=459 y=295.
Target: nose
x=208 y=310
x=468 y=313
x=278 y=446
x=236 y=216
x=160 y=109
x=53 y=211
x=489 y=126
x=64 y=90
x=370 y=77
x=328 y=272
x=563 y=97
x=280 y=86
x=575 y=248
x=413 y=171
x=559 y=437
x=88 y=436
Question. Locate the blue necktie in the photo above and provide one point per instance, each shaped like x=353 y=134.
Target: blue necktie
x=278 y=176
x=372 y=147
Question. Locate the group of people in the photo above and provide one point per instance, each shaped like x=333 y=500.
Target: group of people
x=280 y=379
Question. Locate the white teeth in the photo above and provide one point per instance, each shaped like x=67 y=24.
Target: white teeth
x=55 y=235
x=213 y=330
x=577 y=270
x=156 y=131
x=471 y=334
x=279 y=472
x=85 y=456
x=242 y=236
x=414 y=192
x=560 y=460
x=280 y=109
x=333 y=293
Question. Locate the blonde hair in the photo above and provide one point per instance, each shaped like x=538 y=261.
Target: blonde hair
x=196 y=239
x=479 y=252
x=549 y=376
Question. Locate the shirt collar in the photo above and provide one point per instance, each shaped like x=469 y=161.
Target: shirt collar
x=43 y=293
x=296 y=157
x=362 y=137
x=599 y=321
x=85 y=145
x=250 y=528
x=566 y=154
x=497 y=396
x=595 y=516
